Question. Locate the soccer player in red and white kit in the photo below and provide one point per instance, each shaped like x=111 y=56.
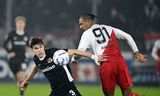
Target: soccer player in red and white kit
x=102 y=40
x=156 y=55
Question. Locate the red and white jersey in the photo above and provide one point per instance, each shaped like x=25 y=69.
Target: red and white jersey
x=156 y=50
x=97 y=37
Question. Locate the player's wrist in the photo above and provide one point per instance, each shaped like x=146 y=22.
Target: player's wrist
x=137 y=52
x=93 y=57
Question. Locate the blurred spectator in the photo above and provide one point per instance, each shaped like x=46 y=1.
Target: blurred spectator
x=15 y=44
x=156 y=55
x=152 y=13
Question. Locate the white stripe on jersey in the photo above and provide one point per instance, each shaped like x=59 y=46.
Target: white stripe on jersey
x=68 y=73
x=19 y=43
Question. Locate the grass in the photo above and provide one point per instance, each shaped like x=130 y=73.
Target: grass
x=10 y=89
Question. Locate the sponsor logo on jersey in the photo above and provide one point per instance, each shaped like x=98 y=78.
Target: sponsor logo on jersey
x=48 y=68
x=103 y=47
x=19 y=43
x=49 y=60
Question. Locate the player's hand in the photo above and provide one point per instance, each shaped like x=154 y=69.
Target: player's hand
x=140 y=57
x=99 y=58
x=74 y=62
x=24 y=85
x=102 y=58
x=11 y=54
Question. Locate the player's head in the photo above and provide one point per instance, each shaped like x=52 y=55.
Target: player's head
x=37 y=47
x=20 y=22
x=86 y=21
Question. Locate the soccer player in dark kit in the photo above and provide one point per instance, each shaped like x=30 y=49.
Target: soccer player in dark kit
x=58 y=76
x=16 y=45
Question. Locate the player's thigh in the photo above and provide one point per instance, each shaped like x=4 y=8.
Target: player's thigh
x=73 y=92
x=14 y=66
x=108 y=76
x=21 y=75
x=123 y=77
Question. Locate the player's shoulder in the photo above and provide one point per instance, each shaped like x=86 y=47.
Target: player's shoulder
x=51 y=50
x=101 y=26
x=13 y=32
x=35 y=58
x=157 y=42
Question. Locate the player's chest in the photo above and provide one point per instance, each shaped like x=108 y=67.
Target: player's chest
x=47 y=65
x=19 y=37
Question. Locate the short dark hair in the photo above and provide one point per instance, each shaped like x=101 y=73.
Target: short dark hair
x=35 y=41
x=88 y=16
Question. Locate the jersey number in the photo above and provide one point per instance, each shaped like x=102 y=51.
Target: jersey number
x=72 y=92
x=98 y=33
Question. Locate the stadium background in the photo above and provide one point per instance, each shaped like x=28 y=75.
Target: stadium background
x=56 y=21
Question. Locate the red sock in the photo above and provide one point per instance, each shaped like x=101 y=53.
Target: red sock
x=133 y=94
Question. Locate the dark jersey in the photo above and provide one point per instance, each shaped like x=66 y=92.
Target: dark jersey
x=58 y=76
x=16 y=43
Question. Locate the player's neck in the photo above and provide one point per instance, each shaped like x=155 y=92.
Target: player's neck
x=41 y=58
x=20 y=32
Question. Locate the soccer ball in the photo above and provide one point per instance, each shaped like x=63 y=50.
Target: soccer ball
x=61 y=57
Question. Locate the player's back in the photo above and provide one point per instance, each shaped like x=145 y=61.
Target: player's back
x=99 y=36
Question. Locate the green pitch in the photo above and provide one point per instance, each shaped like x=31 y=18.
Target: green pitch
x=10 y=89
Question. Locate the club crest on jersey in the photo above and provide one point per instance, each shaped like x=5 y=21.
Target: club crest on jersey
x=49 y=60
x=14 y=38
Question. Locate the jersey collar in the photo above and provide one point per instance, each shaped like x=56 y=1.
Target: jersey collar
x=42 y=57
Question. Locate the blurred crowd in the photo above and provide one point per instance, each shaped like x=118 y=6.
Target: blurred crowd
x=52 y=18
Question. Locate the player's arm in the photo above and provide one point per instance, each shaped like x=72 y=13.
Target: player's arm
x=154 y=50
x=84 y=44
x=122 y=35
x=6 y=45
x=99 y=58
x=6 y=41
x=25 y=83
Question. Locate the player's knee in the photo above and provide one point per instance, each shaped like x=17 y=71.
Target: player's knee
x=108 y=92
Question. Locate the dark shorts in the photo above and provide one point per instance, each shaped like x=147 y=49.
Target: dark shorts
x=17 y=65
x=67 y=91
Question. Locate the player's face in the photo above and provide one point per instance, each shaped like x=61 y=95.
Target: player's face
x=20 y=25
x=39 y=50
x=84 y=24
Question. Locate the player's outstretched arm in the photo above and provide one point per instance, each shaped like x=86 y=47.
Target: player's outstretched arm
x=140 y=57
x=99 y=58
x=25 y=83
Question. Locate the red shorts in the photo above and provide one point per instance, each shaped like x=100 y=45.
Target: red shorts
x=158 y=66
x=115 y=72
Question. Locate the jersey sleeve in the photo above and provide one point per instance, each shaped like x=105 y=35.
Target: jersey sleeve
x=8 y=38
x=122 y=35
x=84 y=42
x=27 y=40
x=35 y=59
x=52 y=50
